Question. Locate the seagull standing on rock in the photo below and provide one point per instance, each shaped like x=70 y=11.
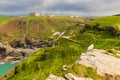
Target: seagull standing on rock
x=90 y=47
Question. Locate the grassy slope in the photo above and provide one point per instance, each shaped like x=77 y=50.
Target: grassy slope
x=4 y=18
x=105 y=39
x=38 y=27
x=50 y=60
x=107 y=21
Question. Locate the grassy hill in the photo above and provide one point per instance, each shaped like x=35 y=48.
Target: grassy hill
x=36 y=27
x=51 y=60
x=108 y=28
x=107 y=21
x=5 y=18
x=102 y=32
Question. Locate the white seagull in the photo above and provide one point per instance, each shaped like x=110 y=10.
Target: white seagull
x=91 y=47
x=56 y=33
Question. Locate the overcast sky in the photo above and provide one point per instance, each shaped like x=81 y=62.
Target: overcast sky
x=68 y=7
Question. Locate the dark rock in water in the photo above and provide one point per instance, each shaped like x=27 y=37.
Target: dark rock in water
x=14 y=54
x=16 y=70
x=17 y=54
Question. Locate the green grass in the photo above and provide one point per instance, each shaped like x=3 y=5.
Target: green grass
x=107 y=21
x=84 y=71
x=106 y=39
x=108 y=43
x=43 y=27
x=50 y=60
x=45 y=62
x=4 y=18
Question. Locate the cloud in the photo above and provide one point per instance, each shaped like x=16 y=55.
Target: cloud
x=77 y=7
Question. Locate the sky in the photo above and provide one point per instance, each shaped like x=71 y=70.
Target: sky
x=59 y=7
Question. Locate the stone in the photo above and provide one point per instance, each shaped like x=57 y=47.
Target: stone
x=41 y=44
x=70 y=76
x=2 y=50
x=103 y=63
x=16 y=43
x=8 y=59
x=65 y=67
x=53 y=77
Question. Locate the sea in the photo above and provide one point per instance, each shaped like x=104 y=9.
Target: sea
x=5 y=67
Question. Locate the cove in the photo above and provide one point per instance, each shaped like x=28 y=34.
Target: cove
x=4 y=68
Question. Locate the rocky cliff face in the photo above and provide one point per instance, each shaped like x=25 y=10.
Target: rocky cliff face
x=68 y=76
x=7 y=53
x=103 y=63
x=17 y=49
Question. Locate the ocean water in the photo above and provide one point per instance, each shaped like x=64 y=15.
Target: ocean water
x=4 y=68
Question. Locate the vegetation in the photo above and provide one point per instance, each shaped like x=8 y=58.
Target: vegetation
x=110 y=23
x=51 y=60
x=37 y=27
x=102 y=32
x=45 y=62
x=4 y=18
x=108 y=31
x=83 y=71
x=107 y=21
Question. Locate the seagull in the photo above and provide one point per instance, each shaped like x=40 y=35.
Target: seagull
x=56 y=33
x=91 y=47
x=62 y=33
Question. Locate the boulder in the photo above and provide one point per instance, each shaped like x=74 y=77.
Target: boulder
x=2 y=53
x=103 y=63
x=16 y=43
x=2 y=50
x=41 y=44
x=53 y=77
x=66 y=67
x=70 y=76
x=14 y=55
x=8 y=59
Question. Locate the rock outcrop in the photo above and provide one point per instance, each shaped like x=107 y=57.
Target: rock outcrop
x=8 y=53
x=68 y=76
x=30 y=43
x=53 y=77
x=2 y=52
x=103 y=63
x=16 y=43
